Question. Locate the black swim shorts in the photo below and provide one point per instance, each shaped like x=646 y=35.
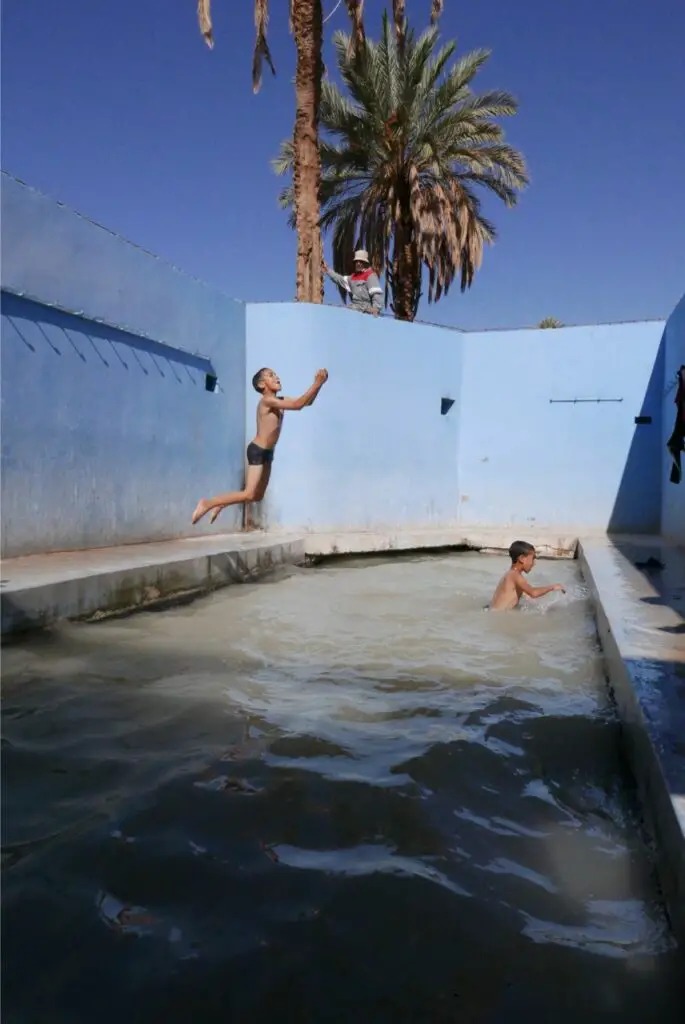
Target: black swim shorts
x=257 y=456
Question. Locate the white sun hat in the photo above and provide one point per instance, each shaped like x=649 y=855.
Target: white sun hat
x=361 y=255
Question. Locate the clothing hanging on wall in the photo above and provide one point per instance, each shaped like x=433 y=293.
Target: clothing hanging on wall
x=676 y=442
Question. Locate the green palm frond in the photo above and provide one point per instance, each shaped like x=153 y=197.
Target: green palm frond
x=284 y=162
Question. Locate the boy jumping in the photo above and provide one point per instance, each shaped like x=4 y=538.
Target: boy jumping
x=260 y=452
x=512 y=585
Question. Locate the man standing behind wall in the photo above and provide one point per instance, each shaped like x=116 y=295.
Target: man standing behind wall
x=363 y=286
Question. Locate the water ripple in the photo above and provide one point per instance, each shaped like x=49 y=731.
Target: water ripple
x=275 y=797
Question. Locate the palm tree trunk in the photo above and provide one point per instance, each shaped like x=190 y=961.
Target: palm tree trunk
x=406 y=271
x=307 y=29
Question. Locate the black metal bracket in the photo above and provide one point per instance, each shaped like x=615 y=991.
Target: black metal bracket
x=579 y=401
x=643 y=420
x=445 y=405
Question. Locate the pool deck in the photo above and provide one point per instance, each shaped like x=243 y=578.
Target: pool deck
x=640 y=615
x=638 y=586
x=37 y=590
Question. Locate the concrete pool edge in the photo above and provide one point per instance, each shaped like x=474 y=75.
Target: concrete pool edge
x=38 y=590
x=339 y=543
x=41 y=589
x=644 y=652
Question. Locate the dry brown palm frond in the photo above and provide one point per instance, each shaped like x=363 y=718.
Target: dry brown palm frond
x=436 y=10
x=448 y=228
x=398 y=18
x=204 y=17
x=450 y=236
x=261 y=47
x=414 y=180
x=355 y=9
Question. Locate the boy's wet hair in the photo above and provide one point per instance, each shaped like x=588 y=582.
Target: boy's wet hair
x=257 y=379
x=519 y=549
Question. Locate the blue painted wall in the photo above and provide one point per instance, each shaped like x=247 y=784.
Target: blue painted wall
x=374 y=450
x=109 y=437
x=378 y=452
x=673 y=495
x=527 y=461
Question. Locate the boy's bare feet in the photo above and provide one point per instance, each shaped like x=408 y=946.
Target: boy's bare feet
x=216 y=512
x=200 y=511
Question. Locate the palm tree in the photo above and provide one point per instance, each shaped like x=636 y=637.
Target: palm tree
x=402 y=156
x=549 y=321
x=306 y=23
x=306 y=26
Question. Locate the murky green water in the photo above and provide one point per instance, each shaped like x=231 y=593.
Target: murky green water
x=346 y=795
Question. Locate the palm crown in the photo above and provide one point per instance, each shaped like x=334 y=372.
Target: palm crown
x=402 y=156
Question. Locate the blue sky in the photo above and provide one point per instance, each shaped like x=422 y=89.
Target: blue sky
x=119 y=110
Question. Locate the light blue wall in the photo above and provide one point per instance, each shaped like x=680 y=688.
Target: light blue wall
x=109 y=437
x=526 y=461
x=673 y=495
x=374 y=450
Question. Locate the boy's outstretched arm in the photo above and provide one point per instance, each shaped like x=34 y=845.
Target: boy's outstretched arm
x=524 y=587
x=295 y=404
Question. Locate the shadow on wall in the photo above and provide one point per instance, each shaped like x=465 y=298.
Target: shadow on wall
x=36 y=325
x=107 y=436
x=672 y=494
x=643 y=468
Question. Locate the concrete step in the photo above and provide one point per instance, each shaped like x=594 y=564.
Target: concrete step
x=39 y=589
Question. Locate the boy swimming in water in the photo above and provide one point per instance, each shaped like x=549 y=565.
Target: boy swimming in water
x=260 y=452
x=513 y=584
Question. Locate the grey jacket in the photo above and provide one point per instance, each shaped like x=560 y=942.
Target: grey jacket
x=366 y=294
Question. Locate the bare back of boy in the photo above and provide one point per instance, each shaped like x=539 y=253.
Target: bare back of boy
x=508 y=592
x=514 y=583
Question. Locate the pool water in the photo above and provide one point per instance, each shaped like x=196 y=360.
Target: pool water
x=345 y=794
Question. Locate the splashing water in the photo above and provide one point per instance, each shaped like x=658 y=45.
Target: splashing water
x=345 y=794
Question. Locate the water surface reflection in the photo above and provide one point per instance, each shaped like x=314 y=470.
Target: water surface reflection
x=348 y=794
